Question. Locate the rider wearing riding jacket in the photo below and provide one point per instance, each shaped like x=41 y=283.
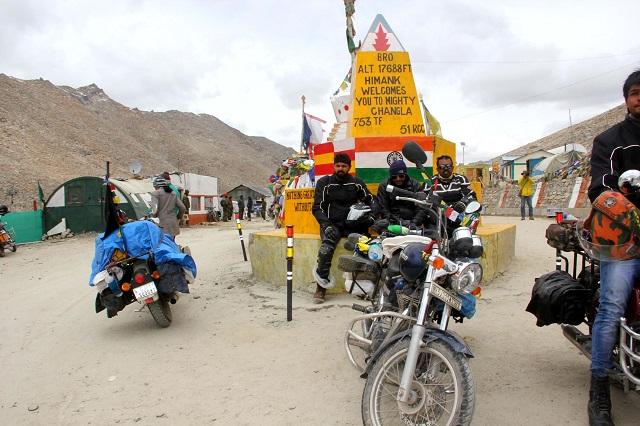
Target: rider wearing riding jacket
x=614 y=151
x=387 y=207
x=333 y=198
x=451 y=187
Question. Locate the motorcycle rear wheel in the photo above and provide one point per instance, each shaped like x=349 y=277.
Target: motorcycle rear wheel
x=443 y=386
x=161 y=312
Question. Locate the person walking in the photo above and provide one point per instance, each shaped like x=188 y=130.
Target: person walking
x=164 y=203
x=224 y=203
x=187 y=205
x=526 y=194
x=232 y=208
x=249 y=208
x=615 y=151
x=241 y=207
x=334 y=195
x=263 y=209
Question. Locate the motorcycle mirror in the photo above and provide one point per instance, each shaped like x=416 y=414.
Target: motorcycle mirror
x=629 y=181
x=414 y=153
x=473 y=207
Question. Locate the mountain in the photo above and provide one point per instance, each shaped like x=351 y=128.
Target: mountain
x=581 y=133
x=52 y=133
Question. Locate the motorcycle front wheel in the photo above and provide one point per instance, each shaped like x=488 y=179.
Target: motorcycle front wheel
x=442 y=392
x=161 y=312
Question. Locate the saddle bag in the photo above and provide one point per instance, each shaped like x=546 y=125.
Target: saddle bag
x=563 y=236
x=558 y=298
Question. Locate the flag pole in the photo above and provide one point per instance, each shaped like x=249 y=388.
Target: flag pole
x=303 y=99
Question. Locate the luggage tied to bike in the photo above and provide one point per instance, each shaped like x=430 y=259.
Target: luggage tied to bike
x=563 y=236
x=558 y=298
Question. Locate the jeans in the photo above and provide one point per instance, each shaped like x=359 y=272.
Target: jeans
x=528 y=201
x=617 y=280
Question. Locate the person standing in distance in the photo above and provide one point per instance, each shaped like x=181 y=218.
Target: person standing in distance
x=527 y=189
x=615 y=151
x=334 y=196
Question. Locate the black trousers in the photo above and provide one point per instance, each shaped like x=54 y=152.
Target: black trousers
x=328 y=246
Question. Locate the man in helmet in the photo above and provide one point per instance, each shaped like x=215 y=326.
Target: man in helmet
x=334 y=196
x=614 y=151
x=390 y=209
x=164 y=203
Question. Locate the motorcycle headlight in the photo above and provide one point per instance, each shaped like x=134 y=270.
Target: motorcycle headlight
x=467 y=278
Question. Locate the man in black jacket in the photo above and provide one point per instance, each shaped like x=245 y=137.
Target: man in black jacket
x=334 y=196
x=615 y=151
x=451 y=187
x=390 y=209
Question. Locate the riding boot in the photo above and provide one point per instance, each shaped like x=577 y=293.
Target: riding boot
x=318 y=296
x=599 y=402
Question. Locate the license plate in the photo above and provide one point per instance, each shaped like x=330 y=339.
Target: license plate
x=145 y=291
x=446 y=297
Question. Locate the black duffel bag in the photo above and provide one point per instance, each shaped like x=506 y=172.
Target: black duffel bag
x=558 y=298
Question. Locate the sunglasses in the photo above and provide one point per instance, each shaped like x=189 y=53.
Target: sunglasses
x=402 y=175
x=445 y=167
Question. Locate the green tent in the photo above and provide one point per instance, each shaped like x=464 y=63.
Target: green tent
x=78 y=204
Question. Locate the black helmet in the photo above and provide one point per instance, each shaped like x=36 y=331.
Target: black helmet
x=411 y=263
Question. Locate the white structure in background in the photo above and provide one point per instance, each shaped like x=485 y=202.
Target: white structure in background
x=203 y=194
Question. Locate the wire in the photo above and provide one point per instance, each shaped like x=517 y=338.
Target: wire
x=526 y=98
x=533 y=61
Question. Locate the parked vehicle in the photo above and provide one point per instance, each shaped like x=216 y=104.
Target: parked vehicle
x=569 y=296
x=7 y=235
x=140 y=264
x=417 y=370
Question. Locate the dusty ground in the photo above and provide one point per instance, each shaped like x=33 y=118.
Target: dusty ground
x=231 y=358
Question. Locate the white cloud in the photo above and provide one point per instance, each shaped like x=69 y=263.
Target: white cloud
x=496 y=74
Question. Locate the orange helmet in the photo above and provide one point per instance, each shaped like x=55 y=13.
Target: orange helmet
x=612 y=229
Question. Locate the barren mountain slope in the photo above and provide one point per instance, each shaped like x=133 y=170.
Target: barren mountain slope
x=52 y=134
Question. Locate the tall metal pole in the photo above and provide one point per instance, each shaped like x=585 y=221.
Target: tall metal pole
x=463 y=144
x=303 y=118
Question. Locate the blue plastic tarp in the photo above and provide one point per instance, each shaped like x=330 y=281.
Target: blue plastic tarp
x=141 y=239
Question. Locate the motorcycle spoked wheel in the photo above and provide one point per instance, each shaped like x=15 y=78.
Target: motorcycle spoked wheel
x=443 y=388
x=161 y=312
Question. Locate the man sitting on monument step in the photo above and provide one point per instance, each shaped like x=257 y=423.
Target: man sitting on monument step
x=334 y=196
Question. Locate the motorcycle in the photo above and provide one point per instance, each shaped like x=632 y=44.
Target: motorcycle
x=7 y=235
x=578 y=276
x=140 y=264
x=417 y=370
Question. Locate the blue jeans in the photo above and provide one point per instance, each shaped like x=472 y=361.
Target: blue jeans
x=528 y=201
x=617 y=280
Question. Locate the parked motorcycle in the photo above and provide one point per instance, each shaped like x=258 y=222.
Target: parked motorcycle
x=140 y=264
x=416 y=369
x=570 y=295
x=7 y=235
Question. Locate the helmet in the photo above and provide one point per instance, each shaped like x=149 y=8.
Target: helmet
x=612 y=229
x=359 y=215
x=159 y=182
x=411 y=263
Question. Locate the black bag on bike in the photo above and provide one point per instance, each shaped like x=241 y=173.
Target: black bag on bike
x=558 y=298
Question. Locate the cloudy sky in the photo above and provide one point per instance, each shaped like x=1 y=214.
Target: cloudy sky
x=497 y=74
